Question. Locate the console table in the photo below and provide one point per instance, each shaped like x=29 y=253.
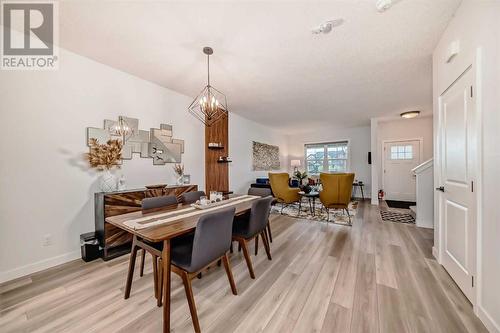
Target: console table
x=115 y=241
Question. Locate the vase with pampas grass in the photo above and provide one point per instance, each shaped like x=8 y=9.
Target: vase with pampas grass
x=179 y=171
x=105 y=157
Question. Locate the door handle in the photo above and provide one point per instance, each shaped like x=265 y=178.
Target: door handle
x=440 y=188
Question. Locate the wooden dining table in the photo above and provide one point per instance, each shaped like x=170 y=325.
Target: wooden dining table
x=168 y=230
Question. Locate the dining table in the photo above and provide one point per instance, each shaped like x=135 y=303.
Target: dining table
x=164 y=224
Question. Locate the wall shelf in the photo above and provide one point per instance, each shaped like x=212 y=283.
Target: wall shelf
x=215 y=148
x=226 y=161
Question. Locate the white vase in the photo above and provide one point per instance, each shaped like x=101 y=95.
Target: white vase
x=108 y=181
x=180 y=180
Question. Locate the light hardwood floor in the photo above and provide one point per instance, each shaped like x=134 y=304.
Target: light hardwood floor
x=374 y=277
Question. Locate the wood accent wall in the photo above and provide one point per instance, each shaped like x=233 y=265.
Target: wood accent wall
x=116 y=241
x=217 y=174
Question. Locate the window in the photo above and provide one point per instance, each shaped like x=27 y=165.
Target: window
x=326 y=157
x=402 y=152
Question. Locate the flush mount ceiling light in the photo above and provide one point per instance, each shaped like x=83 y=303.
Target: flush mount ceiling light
x=327 y=26
x=211 y=104
x=410 y=114
x=383 y=5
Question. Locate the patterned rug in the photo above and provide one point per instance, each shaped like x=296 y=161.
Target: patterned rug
x=396 y=217
x=338 y=216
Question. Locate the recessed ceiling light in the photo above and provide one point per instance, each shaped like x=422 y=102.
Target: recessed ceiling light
x=410 y=114
x=383 y=5
x=327 y=26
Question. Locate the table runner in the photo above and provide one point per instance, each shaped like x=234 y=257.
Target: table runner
x=157 y=219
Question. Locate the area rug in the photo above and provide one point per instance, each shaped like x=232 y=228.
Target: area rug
x=396 y=217
x=338 y=216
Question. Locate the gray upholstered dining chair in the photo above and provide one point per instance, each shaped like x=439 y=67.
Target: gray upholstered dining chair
x=248 y=226
x=262 y=192
x=148 y=205
x=209 y=243
x=190 y=197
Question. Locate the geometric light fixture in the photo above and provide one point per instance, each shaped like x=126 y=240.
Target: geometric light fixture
x=410 y=114
x=123 y=129
x=211 y=104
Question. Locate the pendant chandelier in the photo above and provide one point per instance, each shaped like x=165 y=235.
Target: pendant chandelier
x=210 y=105
x=123 y=129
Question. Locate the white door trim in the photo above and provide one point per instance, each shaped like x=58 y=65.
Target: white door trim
x=382 y=153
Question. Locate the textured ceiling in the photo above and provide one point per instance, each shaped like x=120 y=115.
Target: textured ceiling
x=272 y=69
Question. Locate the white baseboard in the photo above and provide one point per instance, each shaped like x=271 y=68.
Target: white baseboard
x=38 y=266
x=435 y=253
x=490 y=324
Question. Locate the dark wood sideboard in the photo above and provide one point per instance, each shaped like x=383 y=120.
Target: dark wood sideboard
x=114 y=241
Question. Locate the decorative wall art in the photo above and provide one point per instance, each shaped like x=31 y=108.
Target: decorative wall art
x=265 y=157
x=157 y=143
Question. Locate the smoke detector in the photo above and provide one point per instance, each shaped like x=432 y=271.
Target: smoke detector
x=383 y=5
x=327 y=26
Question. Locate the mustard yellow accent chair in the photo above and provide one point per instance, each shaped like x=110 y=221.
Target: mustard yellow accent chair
x=337 y=191
x=283 y=193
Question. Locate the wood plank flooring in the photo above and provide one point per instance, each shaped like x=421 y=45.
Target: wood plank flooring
x=373 y=277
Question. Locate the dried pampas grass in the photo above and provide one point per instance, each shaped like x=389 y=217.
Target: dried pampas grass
x=104 y=156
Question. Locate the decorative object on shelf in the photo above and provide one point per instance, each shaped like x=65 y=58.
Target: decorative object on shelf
x=122 y=184
x=179 y=171
x=187 y=179
x=157 y=143
x=105 y=157
x=265 y=157
x=295 y=164
x=211 y=104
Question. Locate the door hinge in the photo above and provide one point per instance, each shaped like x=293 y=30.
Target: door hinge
x=472 y=280
x=471 y=92
x=472 y=186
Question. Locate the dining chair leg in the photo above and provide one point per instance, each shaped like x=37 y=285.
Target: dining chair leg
x=257 y=245
x=227 y=267
x=266 y=245
x=143 y=257
x=155 y=274
x=231 y=247
x=239 y=247
x=131 y=265
x=190 y=298
x=247 y=257
x=269 y=232
x=160 y=283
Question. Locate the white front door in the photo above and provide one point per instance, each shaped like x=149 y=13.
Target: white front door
x=400 y=157
x=456 y=196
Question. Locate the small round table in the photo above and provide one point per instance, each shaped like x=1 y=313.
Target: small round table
x=311 y=196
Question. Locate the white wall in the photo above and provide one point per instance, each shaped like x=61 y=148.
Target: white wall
x=404 y=129
x=47 y=188
x=477 y=25
x=359 y=142
x=241 y=134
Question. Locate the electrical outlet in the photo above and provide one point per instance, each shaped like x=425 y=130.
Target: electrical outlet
x=47 y=240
